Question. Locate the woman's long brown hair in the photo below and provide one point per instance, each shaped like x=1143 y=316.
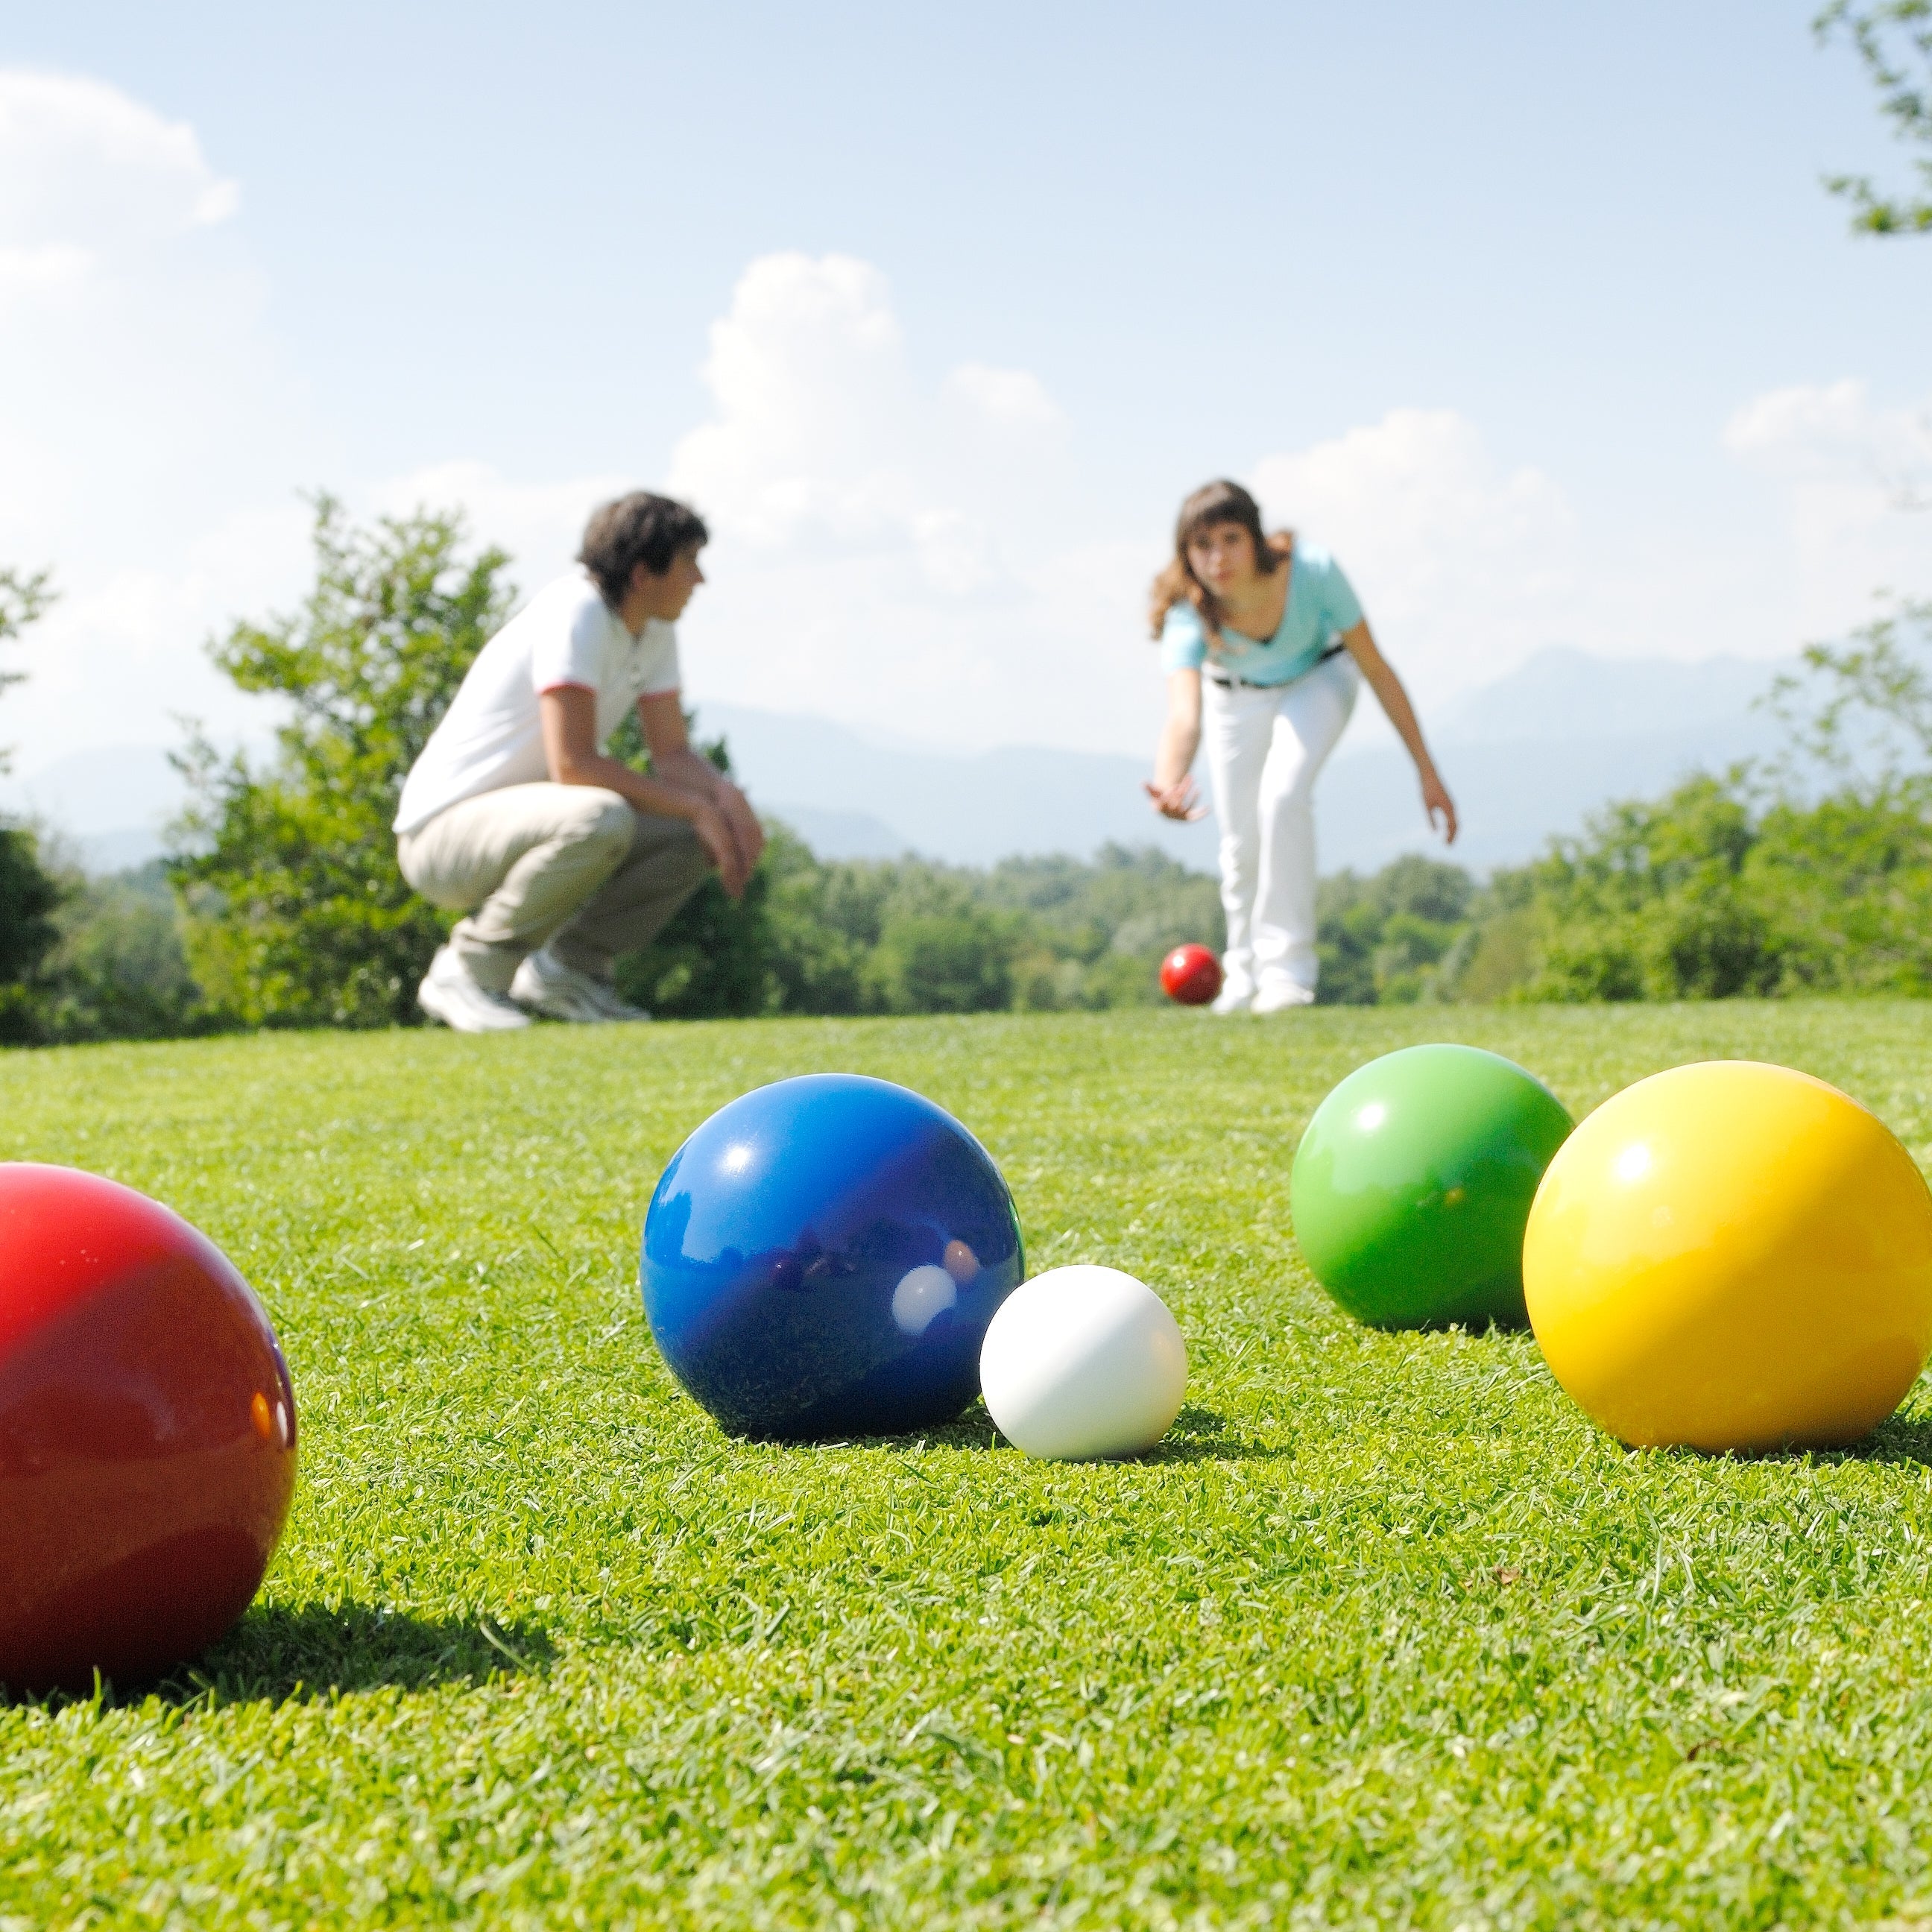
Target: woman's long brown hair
x=1217 y=503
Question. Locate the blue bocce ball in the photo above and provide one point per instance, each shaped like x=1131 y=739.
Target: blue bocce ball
x=821 y=1258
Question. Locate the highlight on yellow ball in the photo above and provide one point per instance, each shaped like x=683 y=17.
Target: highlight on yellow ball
x=1732 y=1256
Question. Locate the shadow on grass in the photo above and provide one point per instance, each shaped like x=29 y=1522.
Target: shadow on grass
x=1900 y=1439
x=277 y=1653
x=1903 y=1438
x=1202 y=1435
x=1198 y=1435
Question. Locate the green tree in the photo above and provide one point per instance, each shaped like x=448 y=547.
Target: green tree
x=28 y=892
x=1495 y=955
x=957 y=961
x=118 y=970
x=885 y=936
x=28 y=896
x=1893 y=39
x=1092 y=933
x=1810 y=874
x=297 y=914
x=1719 y=889
x=1861 y=711
x=1651 y=902
x=1380 y=939
x=23 y=600
x=823 y=922
x=713 y=961
x=1845 y=884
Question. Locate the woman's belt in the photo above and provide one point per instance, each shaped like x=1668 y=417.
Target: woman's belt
x=1228 y=681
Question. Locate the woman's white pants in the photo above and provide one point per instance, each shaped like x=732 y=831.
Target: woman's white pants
x=1266 y=746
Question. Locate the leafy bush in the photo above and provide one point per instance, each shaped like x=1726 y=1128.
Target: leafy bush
x=1812 y=874
x=713 y=961
x=28 y=896
x=119 y=969
x=1893 y=39
x=895 y=936
x=1718 y=889
x=1093 y=935
x=28 y=892
x=942 y=962
x=297 y=914
x=1380 y=939
x=907 y=935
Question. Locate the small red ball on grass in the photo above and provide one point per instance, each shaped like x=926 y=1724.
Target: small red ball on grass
x=147 y=1435
x=1190 y=974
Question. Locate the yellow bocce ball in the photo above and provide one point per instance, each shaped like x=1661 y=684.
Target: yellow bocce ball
x=1732 y=1256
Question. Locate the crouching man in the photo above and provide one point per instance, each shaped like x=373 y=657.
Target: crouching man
x=561 y=857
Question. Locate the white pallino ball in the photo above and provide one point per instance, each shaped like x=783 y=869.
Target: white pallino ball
x=1083 y=1362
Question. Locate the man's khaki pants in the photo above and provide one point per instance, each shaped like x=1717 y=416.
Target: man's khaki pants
x=575 y=867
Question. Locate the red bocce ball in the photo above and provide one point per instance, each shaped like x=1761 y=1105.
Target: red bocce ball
x=1190 y=974
x=147 y=1434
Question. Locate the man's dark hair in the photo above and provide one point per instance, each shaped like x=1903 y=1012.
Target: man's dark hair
x=638 y=529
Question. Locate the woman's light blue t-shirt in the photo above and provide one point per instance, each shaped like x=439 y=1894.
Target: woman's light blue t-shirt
x=1321 y=606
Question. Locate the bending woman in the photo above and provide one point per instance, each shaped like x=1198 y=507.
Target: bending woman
x=1276 y=634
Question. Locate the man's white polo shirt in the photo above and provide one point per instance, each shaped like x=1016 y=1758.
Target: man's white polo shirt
x=492 y=734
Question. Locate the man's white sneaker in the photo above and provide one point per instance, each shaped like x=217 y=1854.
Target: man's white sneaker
x=1279 y=998
x=1234 y=998
x=448 y=993
x=545 y=985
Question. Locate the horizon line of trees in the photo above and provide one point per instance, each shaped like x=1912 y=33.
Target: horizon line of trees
x=283 y=907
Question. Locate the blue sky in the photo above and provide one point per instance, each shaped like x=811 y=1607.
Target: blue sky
x=1538 y=315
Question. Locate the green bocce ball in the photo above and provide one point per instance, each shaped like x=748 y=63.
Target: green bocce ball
x=1413 y=1184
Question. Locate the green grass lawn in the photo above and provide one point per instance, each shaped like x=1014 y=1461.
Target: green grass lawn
x=1387 y=1634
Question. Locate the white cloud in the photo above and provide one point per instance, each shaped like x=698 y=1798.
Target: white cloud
x=44 y=267
x=885 y=547
x=1465 y=567
x=138 y=389
x=1852 y=481
x=121 y=656
x=78 y=157
x=822 y=442
x=1010 y=400
x=1824 y=429
x=911 y=550
x=540 y=524
x=810 y=442
x=151 y=441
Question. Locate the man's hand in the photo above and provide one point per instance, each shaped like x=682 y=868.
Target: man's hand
x=1180 y=800
x=721 y=846
x=738 y=814
x=1439 y=805
x=727 y=826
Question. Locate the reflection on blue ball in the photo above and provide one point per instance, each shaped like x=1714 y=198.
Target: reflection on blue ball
x=822 y=1257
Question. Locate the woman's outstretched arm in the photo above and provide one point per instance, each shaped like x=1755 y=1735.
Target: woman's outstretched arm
x=1387 y=688
x=1174 y=794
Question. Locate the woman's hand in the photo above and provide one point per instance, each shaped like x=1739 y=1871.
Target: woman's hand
x=1180 y=800
x=1173 y=792
x=1382 y=680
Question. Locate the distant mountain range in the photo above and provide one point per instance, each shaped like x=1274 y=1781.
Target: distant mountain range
x=1531 y=755
x=1527 y=757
